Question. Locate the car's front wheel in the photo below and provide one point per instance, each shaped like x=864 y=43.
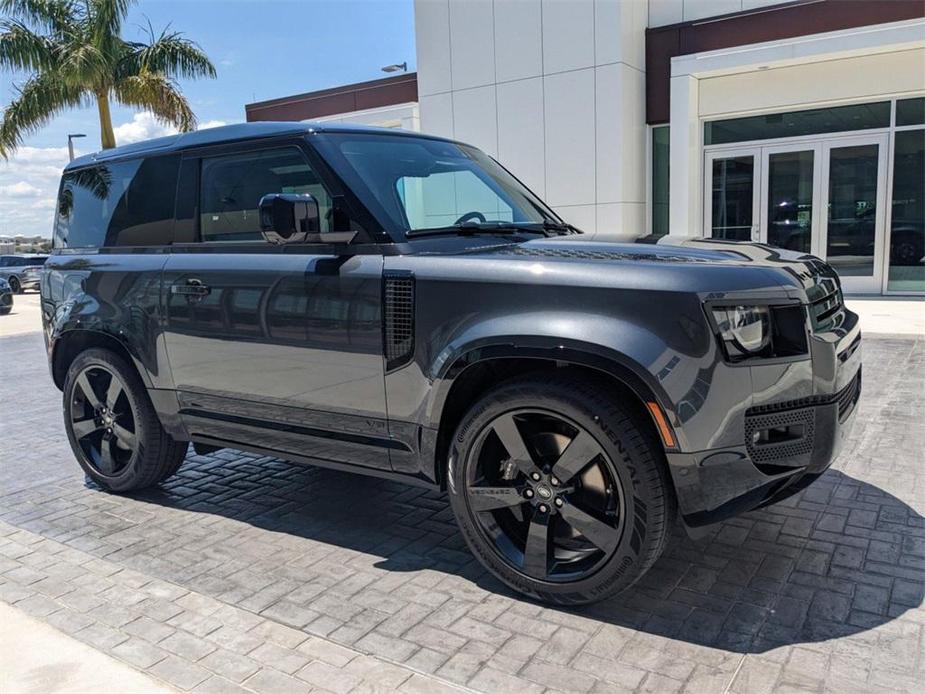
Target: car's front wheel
x=112 y=426
x=15 y=285
x=560 y=489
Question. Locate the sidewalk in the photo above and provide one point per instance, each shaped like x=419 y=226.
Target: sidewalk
x=36 y=658
x=887 y=315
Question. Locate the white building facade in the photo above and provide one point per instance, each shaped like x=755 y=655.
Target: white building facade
x=799 y=124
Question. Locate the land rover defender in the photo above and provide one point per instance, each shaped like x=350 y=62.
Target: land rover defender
x=401 y=305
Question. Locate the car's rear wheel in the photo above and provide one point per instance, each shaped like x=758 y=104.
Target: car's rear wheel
x=15 y=285
x=560 y=489
x=112 y=426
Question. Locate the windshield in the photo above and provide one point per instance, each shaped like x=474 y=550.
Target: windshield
x=419 y=183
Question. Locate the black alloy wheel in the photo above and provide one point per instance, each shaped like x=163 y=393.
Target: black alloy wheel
x=560 y=487
x=545 y=495
x=112 y=427
x=103 y=421
x=15 y=285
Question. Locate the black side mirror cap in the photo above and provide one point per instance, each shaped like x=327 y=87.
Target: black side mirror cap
x=289 y=217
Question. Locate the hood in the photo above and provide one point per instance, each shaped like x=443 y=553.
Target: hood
x=792 y=269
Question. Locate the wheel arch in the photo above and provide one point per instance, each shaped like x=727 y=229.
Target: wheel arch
x=70 y=343
x=481 y=366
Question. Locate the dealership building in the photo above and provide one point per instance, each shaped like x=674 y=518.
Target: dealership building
x=800 y=124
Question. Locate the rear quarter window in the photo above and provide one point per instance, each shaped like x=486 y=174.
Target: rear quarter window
x=127 y=203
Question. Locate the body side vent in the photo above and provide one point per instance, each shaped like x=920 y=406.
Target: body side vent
x=398 y=330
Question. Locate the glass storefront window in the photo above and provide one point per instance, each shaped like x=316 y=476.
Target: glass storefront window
x=661 y=165
x=852 y=221
x=812 y=122
x=907 y=228
x=790 y=200
x=910 y=112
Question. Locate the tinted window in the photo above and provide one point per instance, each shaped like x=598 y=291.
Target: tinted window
x=144 y=214
x=817 y=120
x=122 y=203
x=233 y=185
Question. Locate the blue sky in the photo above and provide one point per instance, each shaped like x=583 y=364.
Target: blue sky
x=261 y=50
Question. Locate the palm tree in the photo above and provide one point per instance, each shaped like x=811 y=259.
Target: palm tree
x=76 y=57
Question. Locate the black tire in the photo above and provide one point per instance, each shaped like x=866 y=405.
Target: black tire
x=4 y=311
x=153 y=455
x=629 y=456
x=15 y=284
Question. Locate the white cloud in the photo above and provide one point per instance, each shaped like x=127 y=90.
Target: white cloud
x=143 y=126
x=211 y=124
x=22 y=189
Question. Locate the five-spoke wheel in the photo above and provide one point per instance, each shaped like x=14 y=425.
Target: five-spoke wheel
x=102 y=419
x=112 y=426
x=559 y=488
x=545 y=494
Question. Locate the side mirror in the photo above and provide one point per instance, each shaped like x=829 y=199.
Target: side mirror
x=289 y=217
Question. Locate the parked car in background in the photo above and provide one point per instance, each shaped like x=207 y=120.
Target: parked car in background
x=401 y=305
x=22 y=271
x=6 y=297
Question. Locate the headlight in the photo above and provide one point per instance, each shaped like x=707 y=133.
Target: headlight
x=744 y=330
x=761 y=331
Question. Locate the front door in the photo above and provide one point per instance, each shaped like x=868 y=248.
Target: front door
x=278 y=348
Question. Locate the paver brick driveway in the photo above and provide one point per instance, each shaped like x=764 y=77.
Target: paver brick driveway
x=249 y=571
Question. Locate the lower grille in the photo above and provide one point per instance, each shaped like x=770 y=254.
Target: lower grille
x=797 y=416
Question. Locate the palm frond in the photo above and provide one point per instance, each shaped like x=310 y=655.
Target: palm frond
x=106 y=17
x=171 y=54
x=23 y=49
x=57 y=16
x=36 y=103
x=159 y=95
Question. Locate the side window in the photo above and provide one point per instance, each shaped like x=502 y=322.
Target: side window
x=441 y=198
x=126 y=203
x=231 y=188
x=144 y=214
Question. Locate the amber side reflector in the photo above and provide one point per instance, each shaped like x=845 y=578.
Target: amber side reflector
x=663 y=429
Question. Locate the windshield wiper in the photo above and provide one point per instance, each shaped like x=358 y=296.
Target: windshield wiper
x=546 y=228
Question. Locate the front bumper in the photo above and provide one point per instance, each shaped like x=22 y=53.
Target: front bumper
x=809 y=433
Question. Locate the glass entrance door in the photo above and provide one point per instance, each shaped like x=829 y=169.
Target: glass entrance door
x=731 y=203
x=790 y=182
x=825 y=197
x=854 y=195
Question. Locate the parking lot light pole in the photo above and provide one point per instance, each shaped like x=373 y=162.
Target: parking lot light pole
x=70 y=144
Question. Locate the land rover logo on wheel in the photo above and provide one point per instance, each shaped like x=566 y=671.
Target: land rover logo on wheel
x=544 y=492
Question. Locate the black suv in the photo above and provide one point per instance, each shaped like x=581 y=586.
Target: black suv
x=401 y=305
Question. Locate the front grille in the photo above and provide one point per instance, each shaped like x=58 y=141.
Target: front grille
x=399 y=318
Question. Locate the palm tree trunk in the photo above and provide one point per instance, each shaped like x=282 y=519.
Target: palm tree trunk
x=107 y=136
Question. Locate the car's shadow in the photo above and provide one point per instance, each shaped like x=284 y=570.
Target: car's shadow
x=841 y=557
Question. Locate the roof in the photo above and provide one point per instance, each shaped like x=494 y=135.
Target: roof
x=227 y=133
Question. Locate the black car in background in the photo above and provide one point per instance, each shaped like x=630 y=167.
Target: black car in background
x=6 y=297
x=400 y=305
x=22 y=271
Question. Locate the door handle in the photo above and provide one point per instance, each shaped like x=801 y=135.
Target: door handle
x=192 y=288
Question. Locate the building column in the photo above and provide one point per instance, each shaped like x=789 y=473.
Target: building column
x=685 y=209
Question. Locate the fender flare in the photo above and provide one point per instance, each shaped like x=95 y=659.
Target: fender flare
x=570 y=351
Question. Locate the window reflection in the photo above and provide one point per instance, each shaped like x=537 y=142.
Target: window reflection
x=733 y=198
x=790 y=200
x=907 y=227
x=852 y=219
